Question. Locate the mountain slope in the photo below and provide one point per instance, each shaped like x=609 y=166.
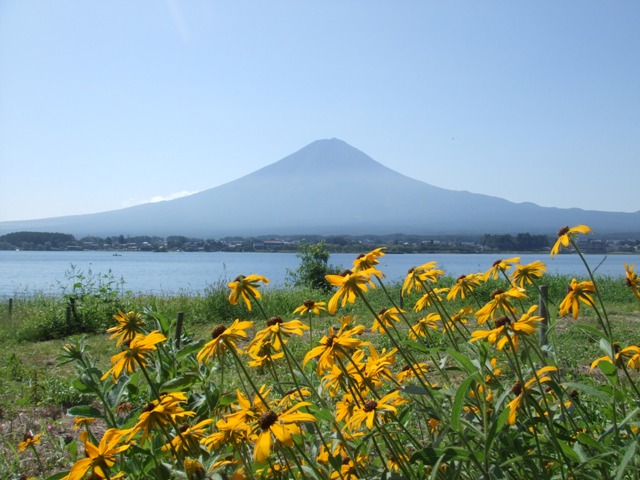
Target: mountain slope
x=329 y=187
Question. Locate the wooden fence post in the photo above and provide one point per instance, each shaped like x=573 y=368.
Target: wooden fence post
x=542 y=308
x=179 y=328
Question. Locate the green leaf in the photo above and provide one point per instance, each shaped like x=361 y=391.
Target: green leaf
x=414 y=390
x=463 y=361
x=84 y=411
x=586 y=440
x=58 y=476
x=591 y=330
x=458 y=403
x=628 y=455
x=179 y=384
x=601 y=393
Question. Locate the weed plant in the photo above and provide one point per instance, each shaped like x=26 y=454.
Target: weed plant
x=435 y=378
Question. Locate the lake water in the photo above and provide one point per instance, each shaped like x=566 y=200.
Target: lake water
x=24 y=272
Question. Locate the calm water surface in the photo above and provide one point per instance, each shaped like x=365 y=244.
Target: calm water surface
x=26 y=272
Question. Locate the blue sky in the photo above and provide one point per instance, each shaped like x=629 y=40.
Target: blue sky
x=105 y=105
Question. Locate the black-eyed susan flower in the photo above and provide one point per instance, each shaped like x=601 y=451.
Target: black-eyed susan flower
x=508 y=332
x=223 y=338
x=377 y=367
x=416 y=276
x=457 y=319
x=129 y=325
x=246 y=288
x=83 y=422
x=499 y=267
x=386 y=317
x=188 y=440
x=632 y=280
x=194 y=470
x=335 y=345
x=424 y=324
x=310 y=306
x=410 y=371
x=158 y=413
x=632 y=353
x=528 y=273
x=368 y=261
x=276 y=332
x=577 y=292
x=519 y=390
x=350 y=285
x=465 y=284
x=280 y=427
x=565 y=236
x=500 y=303
x=134 y=354
x=29 y=441
x=432 y=297
x=99 y=458
x=375 y=411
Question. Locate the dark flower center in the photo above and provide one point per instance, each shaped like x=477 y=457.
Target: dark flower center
x=497 y=291
x=28 y=436
x=274 y=321
x=267 y=419
x=239 y=278
x=410 y=271
x=460 y=278
x=497 y=262
x=330 y=340
x=370 y=405
x=360 y=256
x=183 y=428
x=346 y=460
x=216 y=332
x=502 y=321
x=149 y=407
x=517 y=388
x=628 y=282
x=309 y=303
x=563 y=231
x=406 y=368
x=346 y=272
x=382 y=312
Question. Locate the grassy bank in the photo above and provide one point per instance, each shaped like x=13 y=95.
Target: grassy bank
x=37 y=387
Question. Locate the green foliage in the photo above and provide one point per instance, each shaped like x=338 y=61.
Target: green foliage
x=314 y=266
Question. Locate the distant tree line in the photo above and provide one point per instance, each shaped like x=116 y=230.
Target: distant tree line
x=395 y=243
x=522 y=242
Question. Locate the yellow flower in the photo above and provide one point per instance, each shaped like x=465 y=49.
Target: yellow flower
x=464 y=286
x=460 y=317
x=335 y=345
x=99 y=458
x=374 y=410
x=385 y=317
x=81 y=422
x=223 y=338
x=309 y=307
x=408 y=372
x=424 y=324
x=165 y=411
x=134 y=354
x=377 y=366
x=432 y=296
x=29 y=441
x=194 y=469
x=274 y=332
x=632 y=353
x=528 y=273
x=565 y=236
x=282 y=427
x=519 y=390
x=500 y=266
x=506 y=330
x=632 y=280
x=500 y=301
x=416 y=276
x=188 y=440
x=246 y=288
x=577 y=292
x=367 y=261
x=350 y=285
x=129 y=325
